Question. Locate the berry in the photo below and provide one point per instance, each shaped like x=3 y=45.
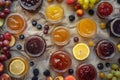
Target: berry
x=70 y=71
x=76 y=39
x=107 y=64
x=6 y=43
x=45 y=31
x=71 y=18
x=34 y=22
x=19 y=47
x=46 y=73
x=91 y=12
x=46 y=27
x=36 y=72
x=31 y=63
x=39 y=26
x=21 y=37
x=100 y=66
x=35 y=78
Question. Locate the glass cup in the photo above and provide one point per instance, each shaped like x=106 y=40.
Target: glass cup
x=87 y=28
x=105 y=49
x=60 y=36
x=15 y=23
x=54 y=13
x=35 y=46
x=86 y=72
x=60 y=61
x=18 y=67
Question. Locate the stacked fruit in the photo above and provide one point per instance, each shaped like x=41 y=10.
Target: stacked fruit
x=4 y=9
x=86 y=4
x=6 y=41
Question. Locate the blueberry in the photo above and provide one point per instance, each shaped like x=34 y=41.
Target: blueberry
x=107 y=64
x=70 y=71
x=76 y=39
x=36 y=72
x=34 y=22
x=91 y=12
x=71 y=18
x=31 y=63
x=100 y=66
x=118 y=1
x=35 y=78
x=46 y=27
x=19 y=47
x=46 y=73
x=21 y=37
x=39 y=26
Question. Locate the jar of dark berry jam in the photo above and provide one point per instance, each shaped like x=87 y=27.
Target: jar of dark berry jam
x=105 y=49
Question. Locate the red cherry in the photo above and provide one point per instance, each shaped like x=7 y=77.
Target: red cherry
x=6 y=11
x=70 y=1
x=7 y=36
x=2 y=58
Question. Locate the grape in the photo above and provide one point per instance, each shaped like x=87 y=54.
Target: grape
x=46 y=27
x=8 y=3
x=2 y=15
x=6 y=42
x=85 y=6
x=93 y=1
x=112 y=72
x=2 y=2
x=81 y=1
x=102 y=75
x=6 y=48
x=91 y=5
x=6 y=11
x=2 y=37
x=76 y=39
x=117 y=73
x=114 y=66
x=109 y=76
x=114 y=78
x=86 y=2
x=7 y=36
x=1 y=44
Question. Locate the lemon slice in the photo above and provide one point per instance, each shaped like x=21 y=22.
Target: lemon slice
x=17 y=67
x=81 y=51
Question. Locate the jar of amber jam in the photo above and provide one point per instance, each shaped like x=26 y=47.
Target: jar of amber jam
x=60 y=61
x=15 y=23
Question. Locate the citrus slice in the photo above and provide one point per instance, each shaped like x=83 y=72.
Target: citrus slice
x=81 y=51
x=17 y=67
x=12 y=42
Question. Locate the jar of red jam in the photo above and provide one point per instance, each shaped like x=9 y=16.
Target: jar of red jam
x=104 y=9
x=86 y=72
x=60 y=61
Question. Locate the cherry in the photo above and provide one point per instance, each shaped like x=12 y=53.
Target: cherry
x=7 y=36
x=6 y=11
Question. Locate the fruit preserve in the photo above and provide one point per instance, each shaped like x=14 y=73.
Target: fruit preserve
x=35 y=46
x=86 y=72
x=18 y=67
x=60 y=61
x=86 y=28
x=15 y=23
x=115 y=27
x=60 y=36
x=54 y=13
x=105 y=49
x=104 y=9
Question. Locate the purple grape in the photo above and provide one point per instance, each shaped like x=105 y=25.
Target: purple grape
x=1 y=44
x=6 y=48
x=76 y=39
x=2 y=38
x=45 y=31
x=46 y=27
x=2 y=15
x=6 y=11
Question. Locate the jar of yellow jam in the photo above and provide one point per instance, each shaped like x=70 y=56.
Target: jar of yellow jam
x=87 y=28
x=54 y=13
x=18 y=67
x=15 y=23
x=60 y=36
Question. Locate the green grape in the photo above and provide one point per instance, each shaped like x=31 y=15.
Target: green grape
x=81 y=1
x=112 y=72
x=93 y=1
x=91 y=5
x=114 y=78
x=117 y=73
x=85 y=6
x=86 y=2
x=109 y=76
x=114 y=66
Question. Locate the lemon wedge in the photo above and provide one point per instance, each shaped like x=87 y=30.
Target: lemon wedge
x=81 y=51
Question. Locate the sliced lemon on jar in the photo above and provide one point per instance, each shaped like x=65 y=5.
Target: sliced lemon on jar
x=17 y=67
x=81 y=51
